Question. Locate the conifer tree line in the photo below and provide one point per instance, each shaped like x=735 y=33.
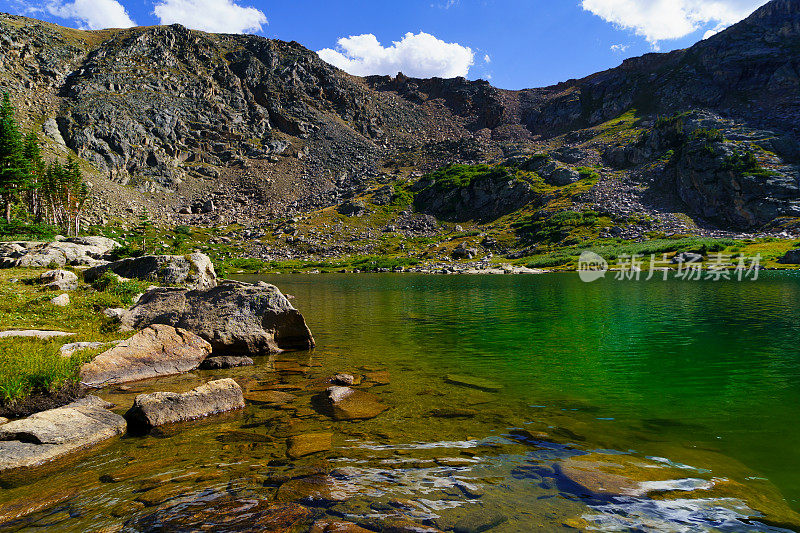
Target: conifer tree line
x=54 y=193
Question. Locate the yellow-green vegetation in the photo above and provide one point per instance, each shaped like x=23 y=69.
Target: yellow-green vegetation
x=29 y=365
x=36 y=366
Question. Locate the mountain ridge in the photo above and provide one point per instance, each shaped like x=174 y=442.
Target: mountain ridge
x=166 y=118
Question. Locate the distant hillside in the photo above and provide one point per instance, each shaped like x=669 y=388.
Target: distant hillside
x=166 y=119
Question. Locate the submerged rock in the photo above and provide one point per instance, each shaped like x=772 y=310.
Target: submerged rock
x=479 y=520
x=235 y=318
x=344 y=403
x=225 y=514
x=227 y=361
x=316 y=489
x=158 y=350
x=48 y=435
x=159 y=408
x=194 y=270
x=337 y=526
x=308 y=444
x=473 y=382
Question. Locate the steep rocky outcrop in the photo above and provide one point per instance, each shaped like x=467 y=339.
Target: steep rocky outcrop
x=204 y=128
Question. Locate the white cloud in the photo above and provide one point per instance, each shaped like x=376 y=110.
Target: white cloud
x=420 y=56
x=658 y=20
x=487 y=58
x=93 y=14
x=217 y=16
x=621 y=48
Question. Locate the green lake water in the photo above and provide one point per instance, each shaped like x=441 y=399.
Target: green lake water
x=702 y=378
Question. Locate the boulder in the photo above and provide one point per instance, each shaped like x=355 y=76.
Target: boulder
x=59 y=280
x=48 y=435
x=75 y=251
x=344 y=403
x=158 y=350
x=62 y=300
x=160 y=408
x=792 y=257
x=237 y=319
x=194 y=270
x=227 y=361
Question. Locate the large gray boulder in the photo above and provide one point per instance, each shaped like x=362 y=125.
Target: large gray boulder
x=48 y=435
x=75 y=251
x=236 y=318
x=194 y=270
x=160 y=408
x=792 y=257
x=158 y=350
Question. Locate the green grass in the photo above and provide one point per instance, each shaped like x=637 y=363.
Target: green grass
x=31 y=365
x=36 y=366
x=124 y=290
x=461 y=176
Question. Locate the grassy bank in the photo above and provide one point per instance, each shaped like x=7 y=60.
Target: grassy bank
x=34 y=367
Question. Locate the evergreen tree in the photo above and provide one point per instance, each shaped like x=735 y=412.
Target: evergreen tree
x=14 y=177
x=36 y=174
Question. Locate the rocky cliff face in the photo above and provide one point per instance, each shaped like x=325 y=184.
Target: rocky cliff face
x=167 y=117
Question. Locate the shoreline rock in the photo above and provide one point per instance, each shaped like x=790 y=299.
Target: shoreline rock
x=161 y=408
x=236 y=318
x=48 y=435
x=158 y=350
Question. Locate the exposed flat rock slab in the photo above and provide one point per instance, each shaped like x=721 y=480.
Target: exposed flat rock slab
x=194 y=270
x=237 y=319
x=76 y=251
x=34 y=333
x=158 y=350
x=160 y=408
x=48 y=435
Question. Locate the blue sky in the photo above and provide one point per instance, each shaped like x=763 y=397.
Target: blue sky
x=513 y=43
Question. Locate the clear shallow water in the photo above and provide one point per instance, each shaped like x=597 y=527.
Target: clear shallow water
x=683 y=395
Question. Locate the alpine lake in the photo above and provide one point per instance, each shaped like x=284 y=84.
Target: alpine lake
x=515 y=403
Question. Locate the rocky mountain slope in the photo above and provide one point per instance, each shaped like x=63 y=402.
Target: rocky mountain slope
x=204 y=129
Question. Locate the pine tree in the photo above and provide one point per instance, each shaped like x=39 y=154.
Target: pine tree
x=14 y=177
x=36 y=175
